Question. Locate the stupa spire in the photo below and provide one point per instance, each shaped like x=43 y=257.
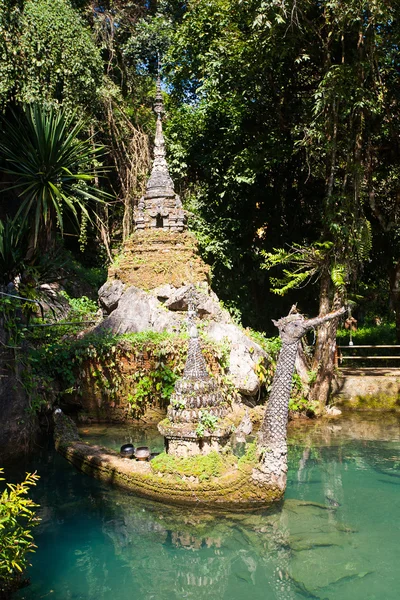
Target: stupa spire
x=160 y=207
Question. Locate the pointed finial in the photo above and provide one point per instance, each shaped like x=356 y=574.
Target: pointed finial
x=158 y=105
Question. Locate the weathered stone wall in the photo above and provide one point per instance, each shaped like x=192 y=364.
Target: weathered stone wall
x=368 y=390
x=19 y=427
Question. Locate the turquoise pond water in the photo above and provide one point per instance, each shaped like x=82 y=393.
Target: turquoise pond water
x=336 y=536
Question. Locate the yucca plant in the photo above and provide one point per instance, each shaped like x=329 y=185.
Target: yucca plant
x=12 y=250
x=51 y=167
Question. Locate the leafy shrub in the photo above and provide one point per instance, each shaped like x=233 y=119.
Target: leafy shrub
x=17 y=519
x=207 y=422
x=81 y=308
x=385 y=333
x=158 y=383
x=302 y=405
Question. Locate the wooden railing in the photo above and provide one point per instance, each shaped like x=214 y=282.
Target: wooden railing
x=360 y=356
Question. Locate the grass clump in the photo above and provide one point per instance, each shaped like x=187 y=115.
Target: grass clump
x=202 y=467
x=250 y=456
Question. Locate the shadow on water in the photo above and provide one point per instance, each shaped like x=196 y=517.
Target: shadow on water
x=96 y=542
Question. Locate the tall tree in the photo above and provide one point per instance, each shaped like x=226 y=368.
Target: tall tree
x=275 y=109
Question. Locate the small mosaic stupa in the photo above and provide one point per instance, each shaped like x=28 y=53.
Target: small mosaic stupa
x=160 y=207
x=196 y=401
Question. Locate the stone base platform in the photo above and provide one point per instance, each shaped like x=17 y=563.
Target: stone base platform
x=181 y=439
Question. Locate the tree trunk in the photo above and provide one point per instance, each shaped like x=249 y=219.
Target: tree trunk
x=395 y=296
x=324 y=357
x=302 y=367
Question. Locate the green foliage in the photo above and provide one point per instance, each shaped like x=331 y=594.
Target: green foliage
x=93 y=276
x=265 y=369
x=250 y=456
x=271 y=345
x=202 y=467
x=207 y=423
x=382 y=334
x=303 y=405
x=178 y=404
x=52 y=167
x=67 y=363
x=151 y=35
x=17 y=519
x=278 y=139
x=12 y=321
x=12 y=250
x=307 y=263
x=298 y=401
x=48 y=54
x=81 y=309
x=158 y=383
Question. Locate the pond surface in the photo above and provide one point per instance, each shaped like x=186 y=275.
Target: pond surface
x=336 y=536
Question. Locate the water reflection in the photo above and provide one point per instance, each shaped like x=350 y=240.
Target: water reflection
x=335 y=536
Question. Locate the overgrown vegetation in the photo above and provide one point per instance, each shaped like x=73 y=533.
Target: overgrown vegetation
x=384 y=333
x=17 y=520
x=282 y=146
x=139 y=367
x=207 y=423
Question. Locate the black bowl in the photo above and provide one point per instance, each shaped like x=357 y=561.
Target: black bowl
x=127 y=451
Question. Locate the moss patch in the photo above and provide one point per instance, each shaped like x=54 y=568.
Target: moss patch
x=381 y=401
x=201 y=467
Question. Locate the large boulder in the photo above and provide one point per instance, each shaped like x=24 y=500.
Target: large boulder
x=165 y=309
x=244 y=355
x=139 y=311
x=110 y=294
x=207 y=303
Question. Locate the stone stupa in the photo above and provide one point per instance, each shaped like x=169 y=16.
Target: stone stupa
x=160 y=207
x=197 y=402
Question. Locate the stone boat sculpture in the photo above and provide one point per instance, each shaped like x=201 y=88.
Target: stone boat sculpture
x=255 y=482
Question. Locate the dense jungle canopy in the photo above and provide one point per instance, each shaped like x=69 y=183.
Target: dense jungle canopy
x=282 y=128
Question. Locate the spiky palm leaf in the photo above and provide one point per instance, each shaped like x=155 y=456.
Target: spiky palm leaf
x=11 y=251
x=51 y=165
